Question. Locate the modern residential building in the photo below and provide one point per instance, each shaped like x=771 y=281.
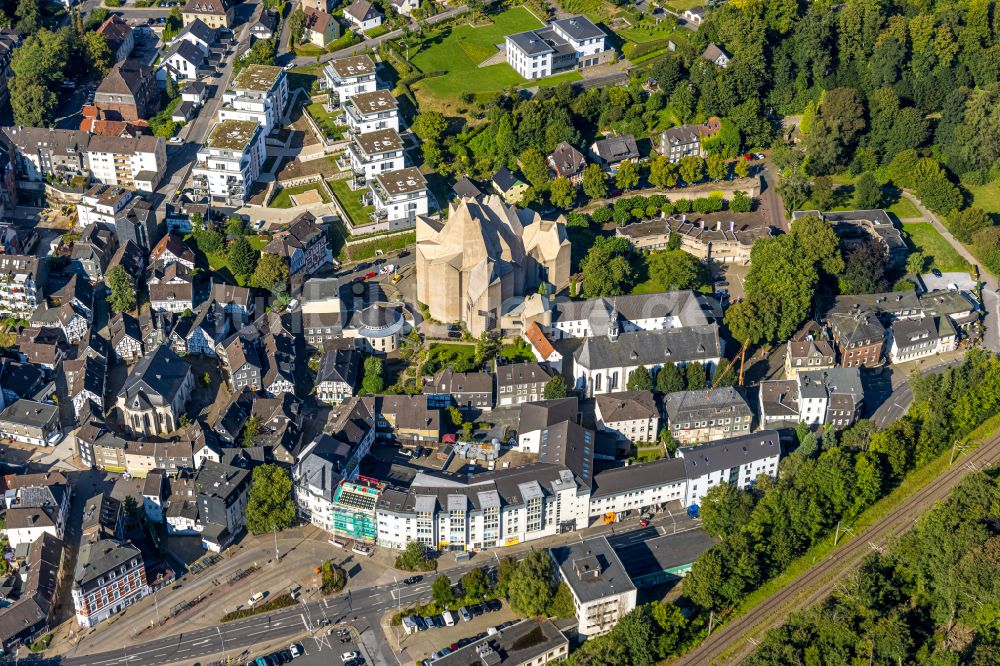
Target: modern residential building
x=610 y=152
x=484 y=254
x=911 y=339
x=230 y=161
x=29 y=422
x=567 y=162
x=266 y=25
x=138 y=162
x=603 y=364
x=181 y=62
x=223 y=491
x=376 y=152
x=346 y=77
x=469 y=391
x=630 y=415
x=399 y=198
x=213 y=13
x=708 y=415
x=155 y=393
x=831 y=397
x=811 y=348
x=695 y=15
x=258 y=93
x=339 y=370
x=363 y=15
x=602 y=591
x=518 y=383
x=199 y=34
x=565 y=44
x=129 y=92
x=737 y=461
x=404 y=7
x=110 y=576
x=371 y=111
x=538 y=417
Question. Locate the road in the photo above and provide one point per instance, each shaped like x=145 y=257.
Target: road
x=771 y=201
x=734 y=641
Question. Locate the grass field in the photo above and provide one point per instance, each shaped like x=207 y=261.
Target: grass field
x=283 y=199
x=903 y=209
x=350 y=201
x=596 y=10
x=924 y=237
x=326 y=121
x=986 y=197
x=460 y=50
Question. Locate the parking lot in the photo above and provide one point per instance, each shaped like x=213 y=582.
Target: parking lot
x=327 y=648
x=423 y=644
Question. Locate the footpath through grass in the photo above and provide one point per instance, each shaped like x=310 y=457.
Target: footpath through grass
x=924 y=237
x=913 y=483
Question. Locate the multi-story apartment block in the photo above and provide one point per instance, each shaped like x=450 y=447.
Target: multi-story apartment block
x=376 y=152
x=705 y=416
x=223 y=491
x=133 y=162
x=399 y=197
x=570 y=43
x=372 y=111
x=258 y=93
x=737 y=461
x=911 y=339
x=602 y=590
x=470 y=391
x=346 y=77
x=22 y=283
x=229 y=162
x=631 y=415
x=860 y=338
x=109 y=577
x=213 y=13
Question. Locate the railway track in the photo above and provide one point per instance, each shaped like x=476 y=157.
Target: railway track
x=736 y=640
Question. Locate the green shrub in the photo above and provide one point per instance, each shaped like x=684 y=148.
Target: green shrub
x=281 y=601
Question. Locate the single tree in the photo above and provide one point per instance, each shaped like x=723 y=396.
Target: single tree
x=725 y=509
x=669 y=379
x=529 y=590
x=534 y=168
x=640 y=380
x=675 y=269
x=271 y=273
x=822 y=192
x=476 y=584
x=595 y=182
x=487 y=347
x=270 y=506
x=696 y=376
x=663 y=173
x=562 y=193
x=741 y=168
x=555 y=388
x=915 y=262
x=627 y=176
x=122 y=297
x=97 y=53
x=373 y=382
x=444 y=596
x=297 y=24
x=562 y=605
x=867 y=192
x=242 y=257
x=692 y=169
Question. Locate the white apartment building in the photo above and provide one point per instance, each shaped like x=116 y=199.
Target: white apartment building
x=372 y=111
x=229 y=162
x=737 y=461
x=631 y=415
x=399 y=197
x=346 y=77
x=637 y=312
x=102 y=204
x=259 y=94
x=133 y=162
x=22 y=281
x=602 y=591
x=562 y=45
x=637 y=487
x=376 y=152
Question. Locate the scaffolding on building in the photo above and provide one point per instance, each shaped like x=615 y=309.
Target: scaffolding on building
x=354 y=509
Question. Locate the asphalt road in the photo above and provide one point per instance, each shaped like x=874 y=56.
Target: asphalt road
x=734 y=641
x=895 y=405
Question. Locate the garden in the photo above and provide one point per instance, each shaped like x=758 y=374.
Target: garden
x=351 y=201
x=938 y=252
x=326 y=121
x=284 y=197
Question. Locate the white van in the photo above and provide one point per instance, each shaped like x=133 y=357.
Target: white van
x=449 y=618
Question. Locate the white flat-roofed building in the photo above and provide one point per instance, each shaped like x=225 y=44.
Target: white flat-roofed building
x=376 y=152
x=737 y=461
x=399 y=196
x=230 y=161
x=258 y=93
x=570 y=43
x=372 y=111
x=22 y=280
x=346 y=77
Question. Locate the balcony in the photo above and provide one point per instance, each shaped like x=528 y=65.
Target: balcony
x=379 y=215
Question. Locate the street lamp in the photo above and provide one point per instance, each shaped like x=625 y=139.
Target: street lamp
x=223 y=641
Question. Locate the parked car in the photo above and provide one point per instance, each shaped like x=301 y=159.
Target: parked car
x=370 y=274
x=347 y=656
x=412 y=580
x=254 y=598
x=429 y=621
x=494 y=605
x=475 y=609
x=175 y=139
x=464 y=613
x=295 y=650
x=935 y=272
x=404 y=253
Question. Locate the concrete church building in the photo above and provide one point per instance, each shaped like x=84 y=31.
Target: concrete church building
x=485 y=258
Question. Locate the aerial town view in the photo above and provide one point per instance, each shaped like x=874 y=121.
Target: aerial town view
x=499 y=332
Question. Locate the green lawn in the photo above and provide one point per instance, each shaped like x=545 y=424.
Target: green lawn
x=308 y=50
x=460 y=50
x=923 y=236
x=350 y=201
x=326 y=121
x=903 y=209
x=986 y=197
x=283 y=199
x=596 y=10
x=462 y=358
